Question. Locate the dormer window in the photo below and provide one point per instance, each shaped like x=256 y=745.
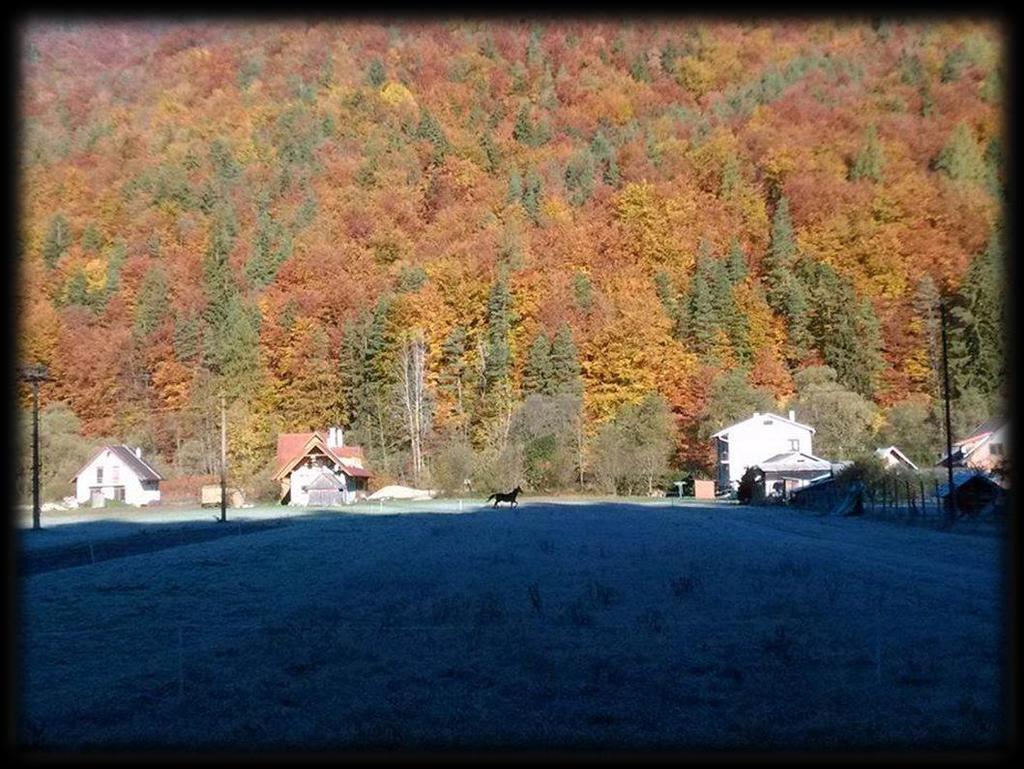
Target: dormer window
x=794 y=444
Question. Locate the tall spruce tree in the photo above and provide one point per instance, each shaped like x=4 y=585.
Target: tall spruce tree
x=870 y=162
x=977 y=346
x=152 y=303
x=537 y=373
x=961 y=159
x=843 y=326
x=431 y=130
x=777 y=264
x=785 y=294
x=531 y=195
x=565 y=364
x=579 y=177
x=499 y=326
x=701 y=314
x=737 y=263
x=375 y=74
x=605 y=158
x=523 y=130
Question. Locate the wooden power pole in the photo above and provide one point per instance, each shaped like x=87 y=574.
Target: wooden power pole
x=951 y=497
x=223 y=461
x=35 y=374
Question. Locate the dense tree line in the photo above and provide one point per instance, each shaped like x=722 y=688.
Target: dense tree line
x=580 y=246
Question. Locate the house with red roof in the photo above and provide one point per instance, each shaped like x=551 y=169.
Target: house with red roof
x=985 y=448
x=319 y=469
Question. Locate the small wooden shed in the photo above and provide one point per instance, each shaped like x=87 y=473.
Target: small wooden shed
x=703 y=489
x=975 y=494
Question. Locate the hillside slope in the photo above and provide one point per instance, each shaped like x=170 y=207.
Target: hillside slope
x=274 y=209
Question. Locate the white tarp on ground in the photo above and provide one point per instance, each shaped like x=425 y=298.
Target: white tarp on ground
x=402 y=492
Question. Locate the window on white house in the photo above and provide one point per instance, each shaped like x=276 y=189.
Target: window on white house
x=794 y=444
x=99 y=475
x=119 y=493
x=115 y=474
x=995 y=449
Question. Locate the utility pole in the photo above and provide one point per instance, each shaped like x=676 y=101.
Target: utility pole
x=223 y=461
x=951 y=498
x=35 y=374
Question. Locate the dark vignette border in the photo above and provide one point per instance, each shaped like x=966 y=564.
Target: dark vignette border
x=523 y=12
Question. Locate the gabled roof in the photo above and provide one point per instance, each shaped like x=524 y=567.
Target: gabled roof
x=986 y=427
x=139 y=467
x=794 y=460
x=292 y=448
x=962 y=477
x=325 y=480
x=725 y=430
x=893 y=450
x=978 y=437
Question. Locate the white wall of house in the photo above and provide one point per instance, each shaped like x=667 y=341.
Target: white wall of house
x=984 y=457
x=115 y=475
x=754 y=440
x=307 y=472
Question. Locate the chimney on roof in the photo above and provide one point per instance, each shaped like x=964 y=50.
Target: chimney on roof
x=138 y=452
x=757 y=414
x=335 y=438
x=792 y=415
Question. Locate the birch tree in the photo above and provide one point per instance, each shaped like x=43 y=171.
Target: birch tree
x=412 y=395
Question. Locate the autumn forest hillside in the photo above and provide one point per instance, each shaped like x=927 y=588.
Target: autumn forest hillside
x=411 y=229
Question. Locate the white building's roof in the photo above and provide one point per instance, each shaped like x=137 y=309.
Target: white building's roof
x=883 y=453
x=725 y=430
x=133 y=462
x=794 y=460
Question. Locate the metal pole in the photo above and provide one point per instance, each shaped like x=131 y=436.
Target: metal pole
x=35 y=454
x=223 y=462
x=951 y=498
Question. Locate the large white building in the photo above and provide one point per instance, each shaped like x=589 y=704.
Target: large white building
x=120 y=474
x=754 y=440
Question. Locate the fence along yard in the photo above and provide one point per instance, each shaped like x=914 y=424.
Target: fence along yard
x=921 y=498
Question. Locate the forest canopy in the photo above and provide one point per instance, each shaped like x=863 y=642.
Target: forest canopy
x=630 y=223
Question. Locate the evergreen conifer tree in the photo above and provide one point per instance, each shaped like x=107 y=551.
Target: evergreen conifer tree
x=499 y=326
x=375 y=74
x=531 y=195
x=869 y=162
x=537 y=373
x=977 y=347
x=737 y=263
x=565 y=364
x=961 y=159
x=152 y=303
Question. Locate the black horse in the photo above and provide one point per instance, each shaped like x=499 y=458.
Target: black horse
x=510 y=497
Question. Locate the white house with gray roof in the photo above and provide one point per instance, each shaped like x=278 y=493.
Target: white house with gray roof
x=754 y=440
x=117 y=473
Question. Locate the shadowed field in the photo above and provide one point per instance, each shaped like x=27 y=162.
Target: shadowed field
x=555 y=625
